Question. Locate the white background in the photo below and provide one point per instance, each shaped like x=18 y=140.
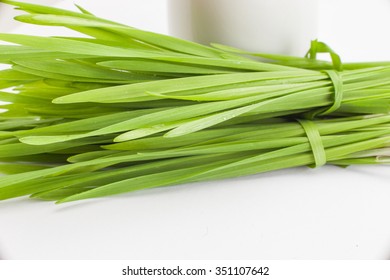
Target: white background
x=330 y=213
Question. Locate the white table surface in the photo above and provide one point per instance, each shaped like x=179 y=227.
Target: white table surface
x=300 y=213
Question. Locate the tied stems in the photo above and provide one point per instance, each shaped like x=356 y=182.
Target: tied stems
x=122 y=109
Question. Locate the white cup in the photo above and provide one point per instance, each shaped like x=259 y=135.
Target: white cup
x=266 y=26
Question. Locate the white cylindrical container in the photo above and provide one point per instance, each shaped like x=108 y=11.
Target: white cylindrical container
x=267 y=26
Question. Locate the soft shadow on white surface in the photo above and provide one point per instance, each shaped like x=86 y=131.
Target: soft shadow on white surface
x=294 y=214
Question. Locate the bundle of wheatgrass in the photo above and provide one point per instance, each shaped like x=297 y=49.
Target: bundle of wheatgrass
x=121 y=109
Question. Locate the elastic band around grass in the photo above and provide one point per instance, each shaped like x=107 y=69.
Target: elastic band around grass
x=338 y=94
x=338 y=91
x=314 y=137
x=320 y=47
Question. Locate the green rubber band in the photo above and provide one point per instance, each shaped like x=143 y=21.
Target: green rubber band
x=338 y=90
x=338 y=93
x=314 y=137
x=317 y=47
